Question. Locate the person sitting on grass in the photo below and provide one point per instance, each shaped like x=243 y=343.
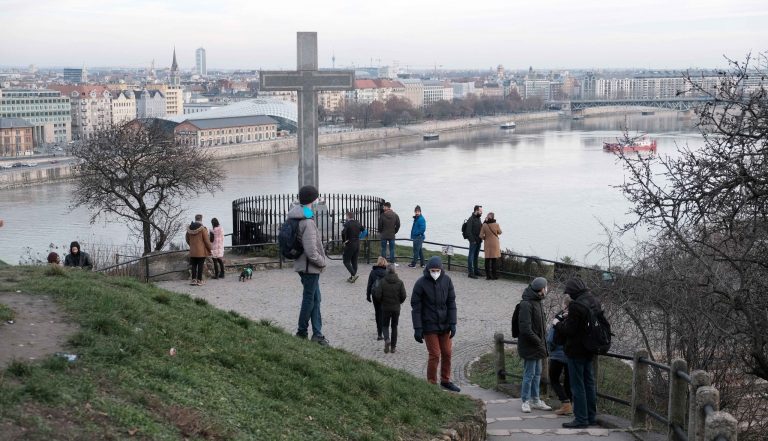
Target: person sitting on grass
x=77 y=258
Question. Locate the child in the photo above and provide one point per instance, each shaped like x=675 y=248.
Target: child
x=558 y=363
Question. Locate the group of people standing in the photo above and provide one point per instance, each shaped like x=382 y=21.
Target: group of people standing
x=203 y=244
x=565 y=345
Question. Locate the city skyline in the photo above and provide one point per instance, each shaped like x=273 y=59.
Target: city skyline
x=545 y=34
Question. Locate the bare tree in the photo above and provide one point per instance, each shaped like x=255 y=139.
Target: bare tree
x=137 y=172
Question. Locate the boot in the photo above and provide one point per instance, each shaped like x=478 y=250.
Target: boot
x=565 y=409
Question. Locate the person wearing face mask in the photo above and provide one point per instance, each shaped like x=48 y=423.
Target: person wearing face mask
x=531 y=345
x=433 y=310
x=310 y=264
x=474 y=225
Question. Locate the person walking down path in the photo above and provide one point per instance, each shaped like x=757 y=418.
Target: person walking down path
x=310 y=264
x=217 y=249
x=77 y=258
x=433 y=311
x=390 y=292
x=474 y=225
x=580 y=367
x=531 y=345
x=389 y=225
x=489 y=233
x=417 y=236
x=199 y=248
x=374 y=278
x=558 y=364
x=351 y=237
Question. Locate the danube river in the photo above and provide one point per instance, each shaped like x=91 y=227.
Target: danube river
x=549 y=183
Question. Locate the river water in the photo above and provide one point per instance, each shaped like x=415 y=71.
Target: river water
x=549 y=183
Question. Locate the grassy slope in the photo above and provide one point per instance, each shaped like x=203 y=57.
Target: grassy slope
x=231 y=379
x=613 y=378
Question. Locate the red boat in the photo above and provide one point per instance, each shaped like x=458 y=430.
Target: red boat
x=640 y=145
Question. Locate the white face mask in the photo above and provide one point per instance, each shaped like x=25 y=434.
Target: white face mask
x=434 y=274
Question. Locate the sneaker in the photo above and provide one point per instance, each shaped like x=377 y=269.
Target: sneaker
x=349 y=279
x=411 y=265
x=539 y=404
x=526 y=407
x=355 y=277
x=387 y=346
x=320 y=339
x=575 y=425
x=450 y=386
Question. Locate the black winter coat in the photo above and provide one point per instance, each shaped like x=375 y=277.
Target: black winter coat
x=475 y=225
x=81 y=260
x=574 y=328
x=377 y=272
x=532 y=344
x=433 y=302
x=390 y=293
x=351 y=231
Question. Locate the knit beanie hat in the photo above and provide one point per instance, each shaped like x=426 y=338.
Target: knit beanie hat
x=308 y=194
x=538 y=284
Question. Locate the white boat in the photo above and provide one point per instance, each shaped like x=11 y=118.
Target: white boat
x=508 y=125
x=431 y=136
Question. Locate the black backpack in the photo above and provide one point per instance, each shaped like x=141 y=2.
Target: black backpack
x=597 y=339
x=516 y=322
x=290 y=247
x=465 y=229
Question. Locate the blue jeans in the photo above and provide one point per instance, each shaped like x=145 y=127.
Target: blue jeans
x=418 y=252
x=474 y=252
x=583 y=390
x=310 y=305
x=531 y=380
x=391 y=242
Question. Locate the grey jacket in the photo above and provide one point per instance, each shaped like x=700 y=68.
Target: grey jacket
x=312 y=260
x=531 y=344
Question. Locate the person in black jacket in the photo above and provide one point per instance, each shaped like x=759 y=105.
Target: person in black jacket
x=531 y=345
x=580 y=367
x=377 y=272
x=433 y=310
x=390 y=292
x=351 y=237
x=77 y=258
x=474 y=225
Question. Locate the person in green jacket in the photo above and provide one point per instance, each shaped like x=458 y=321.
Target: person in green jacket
x=390 y=292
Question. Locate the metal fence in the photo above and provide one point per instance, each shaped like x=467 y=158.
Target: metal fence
x=257 y=219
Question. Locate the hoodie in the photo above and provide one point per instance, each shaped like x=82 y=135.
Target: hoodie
x=531 y=345
x=312 y=260
x=81 y=259
x=433 y=302
x=198 y=240
x=573 y=328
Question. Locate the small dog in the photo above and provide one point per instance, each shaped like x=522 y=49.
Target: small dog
x=246 y=273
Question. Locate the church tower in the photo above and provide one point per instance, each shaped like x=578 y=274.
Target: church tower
x=175 y=80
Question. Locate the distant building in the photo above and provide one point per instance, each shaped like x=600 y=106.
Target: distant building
x=150 y=104
x=461 y=90
x=414 y=91
x=200 y=67
x=190 y=108
x=91 y=108
x=493 y=90
x=364 y=92
x=536 y=88
x=331 y=100
x=123 y=106
x=48 y=111
x=223 y=131
x=76 y=76
x=174 y=98
x=15 y=137
x=433 y=91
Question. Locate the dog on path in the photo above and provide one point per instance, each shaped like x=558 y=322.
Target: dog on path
x=246 y=273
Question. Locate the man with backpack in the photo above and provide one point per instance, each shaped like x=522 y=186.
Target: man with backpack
x=299 y=239
x=586 y=334
x=471 y=231
x=531 y=343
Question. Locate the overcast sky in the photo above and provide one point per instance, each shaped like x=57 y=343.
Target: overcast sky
x=415 y=33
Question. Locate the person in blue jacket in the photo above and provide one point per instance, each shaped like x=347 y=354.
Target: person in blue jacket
x=417 y=236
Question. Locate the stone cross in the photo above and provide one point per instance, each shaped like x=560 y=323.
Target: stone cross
x=307 y=80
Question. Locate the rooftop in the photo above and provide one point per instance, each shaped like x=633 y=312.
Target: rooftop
x=235 y=121
x=9 y=123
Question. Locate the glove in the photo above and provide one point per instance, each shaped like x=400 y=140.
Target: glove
x=368 y=298
x=418 y=335
x=453 y=330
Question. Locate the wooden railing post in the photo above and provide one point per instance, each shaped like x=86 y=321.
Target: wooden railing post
x=640 y=390
x=544 y=383
x=721 y=424
x=500 y=362
x=678 y=397
x=705 y=396
x=695 y=421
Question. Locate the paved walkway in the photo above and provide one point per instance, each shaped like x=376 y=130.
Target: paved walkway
x=484 y=308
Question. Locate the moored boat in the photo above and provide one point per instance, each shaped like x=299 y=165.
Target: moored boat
x=508 y=125
x=641 y=145
x=431 y=136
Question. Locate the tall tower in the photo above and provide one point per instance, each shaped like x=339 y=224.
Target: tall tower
x=200 y=67
x=175 y=80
